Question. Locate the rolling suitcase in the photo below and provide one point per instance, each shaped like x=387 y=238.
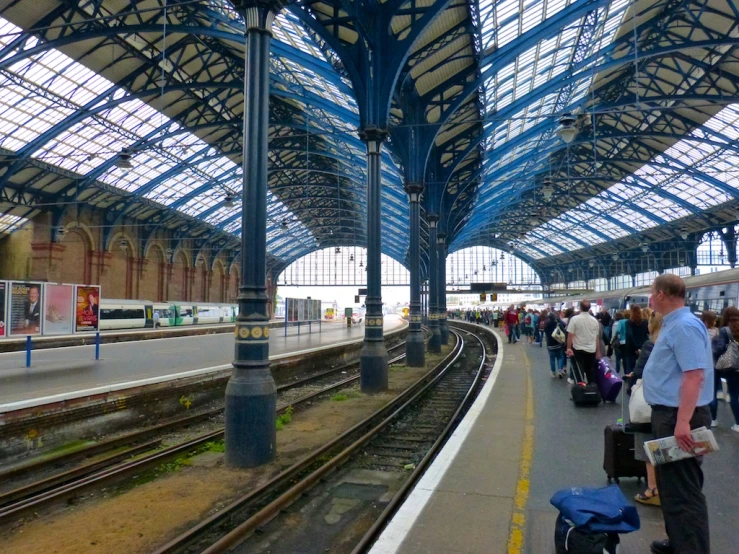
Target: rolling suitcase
x=618 y=455
x=609 y=382
x=583 y=394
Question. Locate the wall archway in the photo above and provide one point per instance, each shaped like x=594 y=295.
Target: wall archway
x=217 y=287
x=178 y=281
x=152 y=276
x=78 y=257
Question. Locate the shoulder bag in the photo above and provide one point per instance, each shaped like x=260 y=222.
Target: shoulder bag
x=729 y=360
x=639 y=410
x=559 y=335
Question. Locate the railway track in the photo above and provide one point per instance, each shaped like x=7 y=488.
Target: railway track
x=69 y=483
x=406 y=433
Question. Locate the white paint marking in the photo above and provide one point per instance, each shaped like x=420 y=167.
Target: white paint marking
x=405 y=518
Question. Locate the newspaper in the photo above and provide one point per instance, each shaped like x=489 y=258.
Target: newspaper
x=664 y=451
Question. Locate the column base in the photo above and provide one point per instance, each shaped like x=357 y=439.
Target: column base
x=434 y=346
x=373 y=367
x=444 y=331
x=415 y=349
x=251 y=432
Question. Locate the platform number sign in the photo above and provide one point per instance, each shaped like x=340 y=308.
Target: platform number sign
x=483 y=297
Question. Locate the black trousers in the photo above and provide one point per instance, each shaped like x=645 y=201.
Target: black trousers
x=585 y=364
x=680 y=487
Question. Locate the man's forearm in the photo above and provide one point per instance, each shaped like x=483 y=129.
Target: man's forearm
x=690 y=390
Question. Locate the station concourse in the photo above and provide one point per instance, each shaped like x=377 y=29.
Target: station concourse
x=173 y=159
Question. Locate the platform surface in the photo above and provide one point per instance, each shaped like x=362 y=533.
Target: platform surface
x=489 y=492
x=59 y=370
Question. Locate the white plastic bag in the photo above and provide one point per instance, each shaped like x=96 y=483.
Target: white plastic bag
x=639 y=410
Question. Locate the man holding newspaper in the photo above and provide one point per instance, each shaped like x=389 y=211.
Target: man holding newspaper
x=675 y=379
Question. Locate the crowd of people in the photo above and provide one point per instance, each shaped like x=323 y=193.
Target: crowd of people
x=674 y=354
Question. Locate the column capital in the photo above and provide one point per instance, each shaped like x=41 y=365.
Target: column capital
x=259 y=14
x=414 y=191
x=373 y=137
x=432 y=220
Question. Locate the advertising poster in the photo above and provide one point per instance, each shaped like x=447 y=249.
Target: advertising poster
x=25 y=308
x=3 y=296
x=86 y=309
x=58 y=309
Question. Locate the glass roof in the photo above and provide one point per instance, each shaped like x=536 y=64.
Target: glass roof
x=10 y=223
x=48 y=88
x=696 y=173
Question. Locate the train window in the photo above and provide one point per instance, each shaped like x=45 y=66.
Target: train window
x=132 y=313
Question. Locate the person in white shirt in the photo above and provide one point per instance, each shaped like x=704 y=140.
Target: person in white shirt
x=582 y=341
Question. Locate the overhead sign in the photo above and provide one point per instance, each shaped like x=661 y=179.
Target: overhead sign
x=483 y=297
x=488 y=287
x=362 y=292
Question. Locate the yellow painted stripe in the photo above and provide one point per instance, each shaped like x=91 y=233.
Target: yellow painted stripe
x=518 y=519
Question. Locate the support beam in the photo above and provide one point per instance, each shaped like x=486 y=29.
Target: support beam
x=441 y=262
x=251 y=395
x=415 y=344
x=373 y=357
x=434 y=345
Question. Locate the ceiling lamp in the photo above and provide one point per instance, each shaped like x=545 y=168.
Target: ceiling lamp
x=228 y=200
x=591 y=263
x=614 y=257
x=284 y=224
x=644 y=247
x=547 y=190
x=684 y=234
x=60 y=231
x=351 y=257
x=124 y=159
x=337 y=250
x=123 y=243
x=567 y=129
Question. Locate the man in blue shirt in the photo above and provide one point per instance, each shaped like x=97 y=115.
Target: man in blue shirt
x=675 y=380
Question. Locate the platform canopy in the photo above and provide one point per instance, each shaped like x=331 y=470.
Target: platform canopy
x=135 y=108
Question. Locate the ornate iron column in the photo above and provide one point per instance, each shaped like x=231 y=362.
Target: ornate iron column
x=435 y=340
x=373 y=357
x=441 y=253
x=251 y=393
x=414 y=345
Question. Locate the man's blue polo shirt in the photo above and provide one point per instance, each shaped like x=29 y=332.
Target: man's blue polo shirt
x=682 y=345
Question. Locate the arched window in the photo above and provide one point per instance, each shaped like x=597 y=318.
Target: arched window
x=482 y=264
x=340 y=265
x=711 y=254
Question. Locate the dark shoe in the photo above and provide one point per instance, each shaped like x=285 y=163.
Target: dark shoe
x=662 y=547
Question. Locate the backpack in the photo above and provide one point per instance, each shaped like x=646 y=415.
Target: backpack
x=527 y=320
x=570 y=539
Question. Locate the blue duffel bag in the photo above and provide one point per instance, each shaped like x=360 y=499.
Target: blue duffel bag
x=590 y=520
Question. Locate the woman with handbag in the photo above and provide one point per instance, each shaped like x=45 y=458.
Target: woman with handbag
x=556 y=346
x=637 y=404
x=726 y=354
x=637 y=332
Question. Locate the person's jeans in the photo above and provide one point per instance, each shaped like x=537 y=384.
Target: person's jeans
x=620 y=360
x=511 y=332
x=732 y=383
x=556 y=360
x=586 y=364
x=680 y=487
x=607 y=334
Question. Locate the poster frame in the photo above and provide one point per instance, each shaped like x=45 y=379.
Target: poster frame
x=71 y=314
x=74 y=308
x=5 y=306
x=9 y=300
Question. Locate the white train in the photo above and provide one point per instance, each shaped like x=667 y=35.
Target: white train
x=712 y=291
x=139 y=314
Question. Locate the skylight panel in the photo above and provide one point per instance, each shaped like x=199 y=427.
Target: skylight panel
x=10 y=223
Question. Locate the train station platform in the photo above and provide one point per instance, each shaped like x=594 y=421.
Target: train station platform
x=58 y=373
x=488 y=490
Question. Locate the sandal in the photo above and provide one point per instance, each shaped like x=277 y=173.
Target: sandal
x=649 y=496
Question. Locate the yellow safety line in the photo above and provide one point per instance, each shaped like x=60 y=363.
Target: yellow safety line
x=518 y=518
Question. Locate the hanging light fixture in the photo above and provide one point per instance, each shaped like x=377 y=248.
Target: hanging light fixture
x=124 y=159
x=547 y=190
x=228 y=200
x=591 y=263
x=614 y=257
x=351 y=257
x=644 y=247
x=684 y=234
x=567 y=130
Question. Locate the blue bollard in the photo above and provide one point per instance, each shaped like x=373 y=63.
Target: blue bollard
x=28 y=351
x=97 y=345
